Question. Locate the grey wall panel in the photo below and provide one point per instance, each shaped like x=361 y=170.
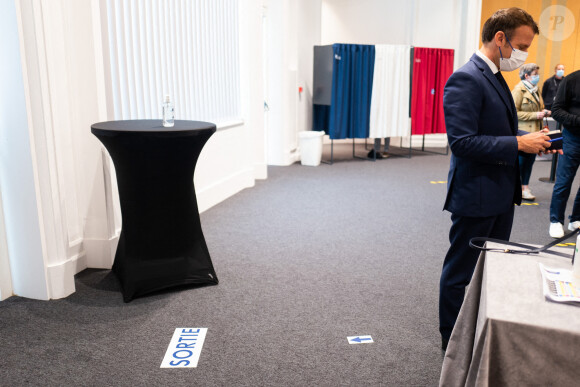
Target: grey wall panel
x=322 y=82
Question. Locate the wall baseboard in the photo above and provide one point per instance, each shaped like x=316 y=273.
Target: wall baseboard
x=260 y=171
x=100 y=253
x=286 y=159
x=209 y=196
x=61 y=277
x=294 y=157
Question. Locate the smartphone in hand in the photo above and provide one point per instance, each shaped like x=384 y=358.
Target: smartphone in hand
x=555 y=139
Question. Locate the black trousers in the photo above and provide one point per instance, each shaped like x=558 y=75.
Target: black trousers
x=461 y=259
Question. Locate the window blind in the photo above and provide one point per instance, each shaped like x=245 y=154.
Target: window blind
x=187 y=49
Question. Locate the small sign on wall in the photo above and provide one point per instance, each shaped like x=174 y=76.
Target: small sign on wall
x=185 y=348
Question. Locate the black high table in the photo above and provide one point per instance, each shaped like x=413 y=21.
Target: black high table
x=161 y=243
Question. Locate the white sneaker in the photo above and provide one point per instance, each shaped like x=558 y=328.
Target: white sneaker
x=573 y=225
x=556 y=230
x=527 y=195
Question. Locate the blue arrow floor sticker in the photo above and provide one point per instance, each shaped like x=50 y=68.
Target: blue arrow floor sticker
x=359 y=339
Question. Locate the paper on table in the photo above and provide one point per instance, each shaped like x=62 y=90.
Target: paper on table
x=558 y=286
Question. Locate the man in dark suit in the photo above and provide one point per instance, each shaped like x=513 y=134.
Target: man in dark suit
x=484 y=180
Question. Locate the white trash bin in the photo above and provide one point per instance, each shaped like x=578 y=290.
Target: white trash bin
x=310 y=147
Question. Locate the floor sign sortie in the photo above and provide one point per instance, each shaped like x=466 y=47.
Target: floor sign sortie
x=185 y=348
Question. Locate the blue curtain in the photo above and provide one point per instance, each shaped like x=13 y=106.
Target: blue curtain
x=352 y=85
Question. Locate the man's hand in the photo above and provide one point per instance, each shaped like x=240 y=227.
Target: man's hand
x=540 y=115
x=534 y=142
x=548 y=151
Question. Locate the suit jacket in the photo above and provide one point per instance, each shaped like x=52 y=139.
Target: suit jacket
x=481 y=122
x=527 y=106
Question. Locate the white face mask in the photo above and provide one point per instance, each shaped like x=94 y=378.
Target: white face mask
x=517 y=59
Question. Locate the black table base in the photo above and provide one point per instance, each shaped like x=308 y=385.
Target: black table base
x=161 y=243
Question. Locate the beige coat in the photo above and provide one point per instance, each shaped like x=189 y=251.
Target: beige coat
x=527 y=107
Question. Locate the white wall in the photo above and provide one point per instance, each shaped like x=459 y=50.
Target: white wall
x=368 y=21
x=450 y=24
x=62 y=200
x=234 y=157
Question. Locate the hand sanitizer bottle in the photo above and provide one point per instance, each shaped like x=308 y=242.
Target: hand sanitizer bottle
x=168 y=112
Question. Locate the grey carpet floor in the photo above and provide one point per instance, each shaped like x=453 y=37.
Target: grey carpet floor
x=305 y=258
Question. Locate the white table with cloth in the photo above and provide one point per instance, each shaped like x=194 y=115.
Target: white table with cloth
x=507 y=333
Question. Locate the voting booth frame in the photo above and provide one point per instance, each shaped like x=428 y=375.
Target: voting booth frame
x=343 y=76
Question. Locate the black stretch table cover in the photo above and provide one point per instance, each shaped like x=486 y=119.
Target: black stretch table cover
x=161 y=243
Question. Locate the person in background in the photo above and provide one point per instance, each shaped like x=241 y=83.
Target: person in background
x=550 y=86
x=566 y=110
x=531 y=111
x=376 y=151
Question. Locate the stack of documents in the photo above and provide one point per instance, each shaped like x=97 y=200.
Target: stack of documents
x=558 y=285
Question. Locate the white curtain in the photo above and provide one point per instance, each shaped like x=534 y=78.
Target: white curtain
x=187 y=49
x=391 y=90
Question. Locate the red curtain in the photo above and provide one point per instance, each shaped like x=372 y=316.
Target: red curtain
x=431 y=69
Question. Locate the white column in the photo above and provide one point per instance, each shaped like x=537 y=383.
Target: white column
x=252 y=83
x=282 y=82
x=10 y=80
x=309 y=35
x=74 y=226
x=5 y=272
x=17 y=171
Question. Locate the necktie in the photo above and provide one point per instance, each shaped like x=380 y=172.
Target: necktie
x=509 y=93
x=502 y=82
